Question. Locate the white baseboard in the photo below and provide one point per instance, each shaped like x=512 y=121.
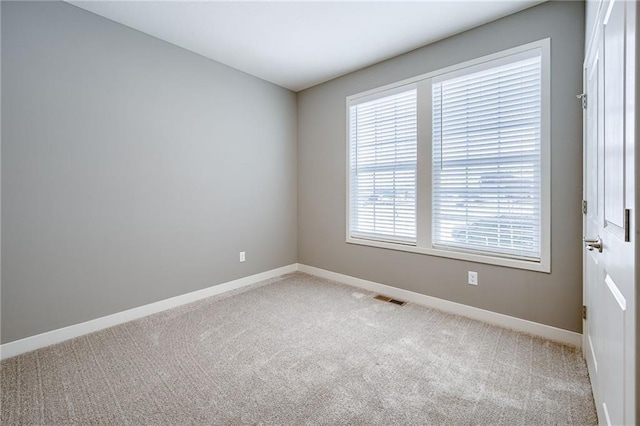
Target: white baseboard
x=56 y=336
x=38 y=341
x=518 y=324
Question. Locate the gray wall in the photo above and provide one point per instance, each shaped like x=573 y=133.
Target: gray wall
x=554 y=299
x=132 y=170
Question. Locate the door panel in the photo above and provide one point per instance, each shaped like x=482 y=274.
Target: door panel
x=613 y=37
x=613 y=337
x=609 y=285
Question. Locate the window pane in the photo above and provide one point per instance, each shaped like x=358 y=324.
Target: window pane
x=382 y=143
x=486 y=160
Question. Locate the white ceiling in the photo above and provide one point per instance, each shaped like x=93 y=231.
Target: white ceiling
x=298 y=44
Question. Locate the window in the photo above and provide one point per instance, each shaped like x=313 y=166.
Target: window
x=486 y=158
x=383 y=167
x=455 y=163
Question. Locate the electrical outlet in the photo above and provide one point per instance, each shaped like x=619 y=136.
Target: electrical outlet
x=473 y=278
x=242 y=258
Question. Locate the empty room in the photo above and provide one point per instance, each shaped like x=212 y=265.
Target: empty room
x=319 y=212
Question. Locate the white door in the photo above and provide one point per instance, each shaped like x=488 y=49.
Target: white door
x=609 y=287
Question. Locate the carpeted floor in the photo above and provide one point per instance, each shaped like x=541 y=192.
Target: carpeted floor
x=299 y=350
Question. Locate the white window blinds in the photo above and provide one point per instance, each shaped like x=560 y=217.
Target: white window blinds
x=486 y=158
x=382 y=144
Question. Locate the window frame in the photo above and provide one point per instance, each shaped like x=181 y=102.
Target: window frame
x=424 y=182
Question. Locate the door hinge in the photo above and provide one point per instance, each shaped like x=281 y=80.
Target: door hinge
x=583 y=98
x=584 y=312
x=627 y=225
x=584 y=206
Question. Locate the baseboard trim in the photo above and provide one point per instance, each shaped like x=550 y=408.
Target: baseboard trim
x=518 y=324
x=38 y=341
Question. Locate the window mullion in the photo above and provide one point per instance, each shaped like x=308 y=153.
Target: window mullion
x=423 y=173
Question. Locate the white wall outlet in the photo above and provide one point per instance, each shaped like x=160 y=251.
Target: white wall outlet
x=473 y=278
x=242 y=258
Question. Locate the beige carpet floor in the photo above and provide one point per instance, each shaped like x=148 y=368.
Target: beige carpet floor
x=299 y=350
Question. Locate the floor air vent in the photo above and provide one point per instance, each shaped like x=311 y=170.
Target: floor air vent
x=390 y=300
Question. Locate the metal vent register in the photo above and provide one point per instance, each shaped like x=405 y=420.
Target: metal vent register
x=390 y=300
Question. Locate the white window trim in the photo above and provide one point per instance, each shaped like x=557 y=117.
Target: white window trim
x=423 y=203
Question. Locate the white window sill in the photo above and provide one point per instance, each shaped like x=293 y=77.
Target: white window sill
x=541 y=266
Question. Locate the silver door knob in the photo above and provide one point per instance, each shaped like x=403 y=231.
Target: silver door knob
x=593 y=244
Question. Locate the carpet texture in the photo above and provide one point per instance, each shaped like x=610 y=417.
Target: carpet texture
x=299 y=350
